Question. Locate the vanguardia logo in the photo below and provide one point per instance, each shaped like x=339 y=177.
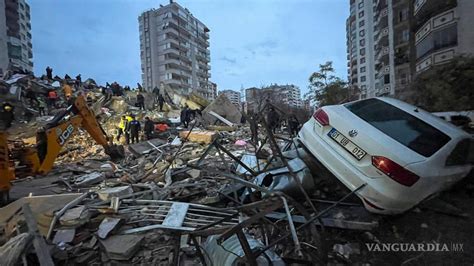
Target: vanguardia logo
x=408 y=247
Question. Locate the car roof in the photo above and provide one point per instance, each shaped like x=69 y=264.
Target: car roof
x=442 y=125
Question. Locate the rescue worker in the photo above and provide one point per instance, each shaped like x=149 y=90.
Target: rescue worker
x=184 y=116
x=134 y=127
x=148 y=128
x=141 y=101
x=121 y=127
x=78 y=80
x=128 y=119
x=49 y=73
x=273 y=119
x=161 y=102
x=52 y=97
x=41 y=106
x=6 y=114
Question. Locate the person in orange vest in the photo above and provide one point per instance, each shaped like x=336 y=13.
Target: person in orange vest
x=52 y=97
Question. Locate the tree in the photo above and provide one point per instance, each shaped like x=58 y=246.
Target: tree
x=326 y=89
x=447 y=87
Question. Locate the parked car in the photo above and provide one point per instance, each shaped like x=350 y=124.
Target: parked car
x=403 y=153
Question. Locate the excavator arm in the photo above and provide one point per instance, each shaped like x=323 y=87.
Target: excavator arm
x=59 y=131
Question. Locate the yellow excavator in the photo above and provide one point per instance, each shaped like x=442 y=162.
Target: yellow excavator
x=39 y=159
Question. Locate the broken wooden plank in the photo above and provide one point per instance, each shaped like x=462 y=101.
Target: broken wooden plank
x=202 y=136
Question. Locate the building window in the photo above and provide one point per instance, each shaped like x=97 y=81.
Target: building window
x=362 y=42
x=437 y=40
x=403 y=15
x=362 y=70
x=361 y=14
x=362 y=79
x=386 y=79
x=362 y=60
x=362 y=51
x=361 y=23
x=362 y=33
x=405 y=35
x=361 y=5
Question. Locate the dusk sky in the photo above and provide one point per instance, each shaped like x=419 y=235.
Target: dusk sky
x=252 y=42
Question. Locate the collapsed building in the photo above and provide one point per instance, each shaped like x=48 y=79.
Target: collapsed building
x=202 y=195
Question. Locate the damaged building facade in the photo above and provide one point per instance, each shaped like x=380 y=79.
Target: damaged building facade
x=389 y=42
x=174 y=50
x=233 y=96
x=15 y=35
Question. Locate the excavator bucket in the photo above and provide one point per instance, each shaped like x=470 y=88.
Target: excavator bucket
x=115 y=152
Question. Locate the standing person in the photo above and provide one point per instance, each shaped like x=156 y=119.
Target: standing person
x=128 y=119
x=161 y=101
x=141 y=101
x=139 y=87
x=7 y=115
x=41 y=106
x=78 y=80
x=156 y=93
x=253 y=121
x=293 y=125
x=135 y=128
x=148 y=128
x=273 y=119
x=184 y=116
x=49 y=73
x=52 y=97
x=121 y=127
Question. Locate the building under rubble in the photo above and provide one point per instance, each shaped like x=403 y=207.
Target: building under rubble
x=15 y=35
x=174 y=51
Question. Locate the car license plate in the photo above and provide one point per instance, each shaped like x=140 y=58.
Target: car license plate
x=353 y=149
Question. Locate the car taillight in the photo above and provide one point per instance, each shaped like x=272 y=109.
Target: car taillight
x=321 y=117
x=394 y=171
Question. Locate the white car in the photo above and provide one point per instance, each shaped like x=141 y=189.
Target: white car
x=404 y=154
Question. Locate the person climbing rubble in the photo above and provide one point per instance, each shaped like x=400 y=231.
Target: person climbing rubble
x=185 y=116
x=140 y=101
x=134 y=128
x=161 y=102
x=148 y=128
x=49 y=73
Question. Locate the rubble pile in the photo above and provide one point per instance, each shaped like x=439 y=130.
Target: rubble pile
x=202 y=195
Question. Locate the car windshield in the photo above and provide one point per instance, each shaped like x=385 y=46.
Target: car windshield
x=400 y=125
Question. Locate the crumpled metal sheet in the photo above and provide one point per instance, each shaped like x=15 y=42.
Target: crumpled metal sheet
x=281 y=180
x=224 y=254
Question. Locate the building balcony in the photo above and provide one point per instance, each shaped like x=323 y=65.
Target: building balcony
x=426 y=9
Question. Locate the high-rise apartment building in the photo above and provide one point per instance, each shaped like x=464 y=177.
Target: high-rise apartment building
x=16 y=48
x=404 y=38
x=233 y=96
x=360 y=44
x=443 y=29
x=174 y=50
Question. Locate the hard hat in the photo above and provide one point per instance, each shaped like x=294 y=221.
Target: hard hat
x=7 y=108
